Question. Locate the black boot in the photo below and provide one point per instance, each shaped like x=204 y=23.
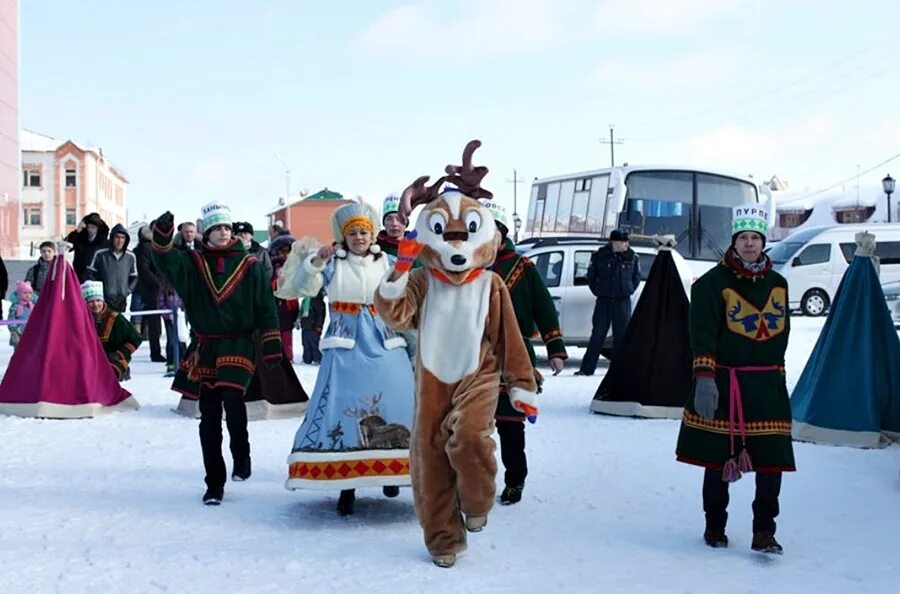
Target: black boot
x=213 y=496
x=511 y=495
x=715 y=538
x=391 y=491
x=764 y=542
x=241 y=471
x=345 y=502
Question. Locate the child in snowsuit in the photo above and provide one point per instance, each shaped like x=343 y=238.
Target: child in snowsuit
x=22 y=305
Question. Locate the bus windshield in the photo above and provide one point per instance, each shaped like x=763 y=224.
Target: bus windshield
x=694 y=207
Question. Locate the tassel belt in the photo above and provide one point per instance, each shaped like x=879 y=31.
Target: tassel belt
x=737 y=465
x=354 y=309
x=193 y=364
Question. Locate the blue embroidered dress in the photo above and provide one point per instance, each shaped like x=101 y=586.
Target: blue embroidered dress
x=357 y=427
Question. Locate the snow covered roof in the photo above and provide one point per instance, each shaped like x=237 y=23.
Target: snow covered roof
x=32 y=141
x=846 y=202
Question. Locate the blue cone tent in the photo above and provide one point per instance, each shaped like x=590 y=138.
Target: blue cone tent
x=849 y=392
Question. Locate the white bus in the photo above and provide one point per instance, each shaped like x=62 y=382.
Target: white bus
x=692 y=204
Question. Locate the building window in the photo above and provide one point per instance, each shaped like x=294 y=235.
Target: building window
x=31 y=178
x=70 y=178
x=32 y=216
x=70 y=216
x=789 y=220
x=854 y=215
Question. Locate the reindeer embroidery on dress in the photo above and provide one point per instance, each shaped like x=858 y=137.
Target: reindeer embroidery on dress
x=374 y=431
x=745 y=319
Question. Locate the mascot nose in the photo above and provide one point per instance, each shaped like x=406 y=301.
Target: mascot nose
x=457 y=259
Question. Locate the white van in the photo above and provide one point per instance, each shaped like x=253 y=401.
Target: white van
x=814 y=260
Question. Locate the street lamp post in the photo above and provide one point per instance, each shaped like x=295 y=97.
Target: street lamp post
x=887 y=184
x=517 y=223
x=287 y=189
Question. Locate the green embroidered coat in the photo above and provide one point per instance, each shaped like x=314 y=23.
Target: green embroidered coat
x=228 y=300
x=535 y=313
x=740 y=320
x=119 y=339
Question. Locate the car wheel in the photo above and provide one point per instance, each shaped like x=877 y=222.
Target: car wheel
x=815 y=302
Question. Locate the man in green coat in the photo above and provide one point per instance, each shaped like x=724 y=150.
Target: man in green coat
x=228 y=299
x=739 y=416
x=117 y=334
x=535 y=312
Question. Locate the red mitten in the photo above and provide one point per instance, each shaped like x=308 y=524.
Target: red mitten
x=407 y=251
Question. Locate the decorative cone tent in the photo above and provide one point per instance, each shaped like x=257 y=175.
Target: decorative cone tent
x=274 y=393
x=651 y=374
x=849 y=392
x=59 y=370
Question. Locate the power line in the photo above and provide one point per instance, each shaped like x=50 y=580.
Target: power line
x=849 y=179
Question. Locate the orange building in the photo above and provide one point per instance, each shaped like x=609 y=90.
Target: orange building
x=309 y=216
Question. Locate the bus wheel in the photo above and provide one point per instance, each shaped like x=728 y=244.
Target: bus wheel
x=815 y=302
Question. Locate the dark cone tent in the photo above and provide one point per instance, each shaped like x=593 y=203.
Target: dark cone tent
x=60 y=370
x=651 y=374
x=274 y=393
x=849 y=392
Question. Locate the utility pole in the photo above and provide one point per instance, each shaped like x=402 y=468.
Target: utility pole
x=287 y=190
x=612 y=142
x=517 y=222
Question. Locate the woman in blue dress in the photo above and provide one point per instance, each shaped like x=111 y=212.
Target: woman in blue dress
x=357 y=427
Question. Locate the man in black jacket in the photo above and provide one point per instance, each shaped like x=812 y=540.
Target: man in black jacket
x=244 y=231
x=613 y=276
x=90 y=235
x=148 y=290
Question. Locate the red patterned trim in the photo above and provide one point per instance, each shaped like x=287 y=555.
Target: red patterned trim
x=552 y=335
x=346 y=469
x=517 y=273
x=235 y=361
x=220 y=294
x=720 y=426
x=130 y=347
x=158 y=247
x=704 y=366
x=353 y=309
x=108 y=326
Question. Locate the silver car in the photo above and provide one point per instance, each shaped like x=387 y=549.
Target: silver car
x=563 y=263
x=892 y=296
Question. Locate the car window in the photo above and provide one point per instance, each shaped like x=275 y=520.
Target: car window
x=549 y=266
x=814 y=254
x=582 y=261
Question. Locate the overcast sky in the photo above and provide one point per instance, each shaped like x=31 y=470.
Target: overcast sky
x=193 y=99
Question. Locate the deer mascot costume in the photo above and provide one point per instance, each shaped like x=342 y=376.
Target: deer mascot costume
x=468 y=337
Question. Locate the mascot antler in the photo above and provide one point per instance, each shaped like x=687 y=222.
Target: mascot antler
x=465 y=177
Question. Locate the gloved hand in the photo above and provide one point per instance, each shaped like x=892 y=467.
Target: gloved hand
x=706 y=397
x=165 y=222
x=408 y=250
x=524 y=402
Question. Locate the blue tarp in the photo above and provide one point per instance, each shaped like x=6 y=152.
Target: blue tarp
x=849 y=392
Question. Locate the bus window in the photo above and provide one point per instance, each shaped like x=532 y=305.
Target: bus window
x=596 y=206
x=564 y=210
x=550 y=205
x=659 y=202
x=532 y=207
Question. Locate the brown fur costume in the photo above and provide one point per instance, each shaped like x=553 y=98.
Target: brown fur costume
x=468 y=336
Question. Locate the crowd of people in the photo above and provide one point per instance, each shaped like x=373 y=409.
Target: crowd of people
x=377 y=354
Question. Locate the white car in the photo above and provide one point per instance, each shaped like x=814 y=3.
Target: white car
x=563 y=263
x=892 y=297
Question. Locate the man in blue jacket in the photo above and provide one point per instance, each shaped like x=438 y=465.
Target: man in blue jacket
x=613 y=276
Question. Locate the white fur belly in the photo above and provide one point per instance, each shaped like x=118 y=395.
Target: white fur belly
x=452 y=326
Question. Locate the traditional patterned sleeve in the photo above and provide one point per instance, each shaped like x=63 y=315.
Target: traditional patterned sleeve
x=131 y=338
x=266 y=314
x=174 y=264
x=506 y=338
x=544 y=315
x=706 y=319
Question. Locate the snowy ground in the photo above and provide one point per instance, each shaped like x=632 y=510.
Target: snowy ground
x=113 y=505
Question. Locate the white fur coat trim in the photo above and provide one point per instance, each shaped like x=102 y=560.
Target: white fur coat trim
x=395 y=289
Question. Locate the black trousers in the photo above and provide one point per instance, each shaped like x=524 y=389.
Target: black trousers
x=512 y=452
x=153 y=324
x=765 y=505
x=311 y=352
x=170 y=343
x=211 y=404
x=606 y=311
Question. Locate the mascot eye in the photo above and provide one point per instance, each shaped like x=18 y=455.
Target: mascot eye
x=473 y=221
x=437 y=223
